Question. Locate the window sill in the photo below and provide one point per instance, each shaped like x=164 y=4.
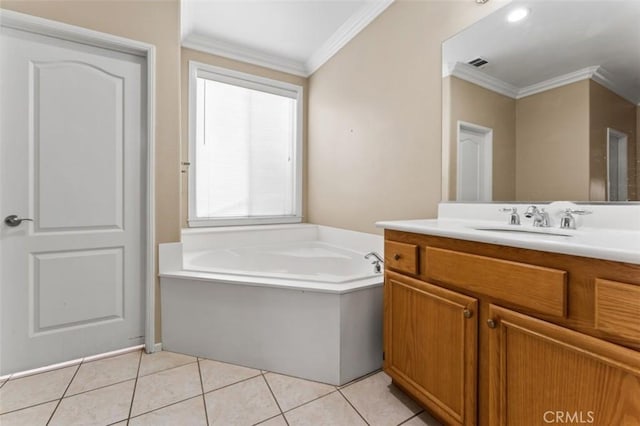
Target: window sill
x=269 y=220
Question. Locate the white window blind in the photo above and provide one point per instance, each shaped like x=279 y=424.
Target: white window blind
x=246 y=143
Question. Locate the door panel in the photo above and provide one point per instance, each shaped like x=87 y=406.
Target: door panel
x=542 y=373
x=76 y=288
x=430 y=339
x=72 y=150
x=89 y=161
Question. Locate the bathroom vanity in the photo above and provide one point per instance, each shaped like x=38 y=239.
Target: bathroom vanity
x=496 y=325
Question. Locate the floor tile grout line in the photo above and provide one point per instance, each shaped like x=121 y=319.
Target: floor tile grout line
x=231 y=384
x=359 y=379
x=309 y=402
x=100 y=387
x=353 y=406
x=274 y=398
x=177 y=353
x=30 y=406
x=167 y=369
x=161 y=408
x=135 y=385
x=306 y=380
x=410 y=418
x=268 y=419
x=204 y=401
x=335 y=388
x=64 y=393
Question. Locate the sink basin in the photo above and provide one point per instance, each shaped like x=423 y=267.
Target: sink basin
x=531 y=231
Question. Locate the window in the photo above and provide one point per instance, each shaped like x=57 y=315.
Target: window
x=245 y=148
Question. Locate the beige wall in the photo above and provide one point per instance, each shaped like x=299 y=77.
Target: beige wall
x=609 y=110
x=158 y=23
x=193 y=55
x=552 y=144
x=375 y=123
x=477 y=105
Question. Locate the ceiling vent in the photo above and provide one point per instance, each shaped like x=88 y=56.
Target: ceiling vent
x=478 y=62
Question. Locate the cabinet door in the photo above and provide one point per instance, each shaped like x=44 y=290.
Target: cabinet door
x=541 y=373
x=430 y=338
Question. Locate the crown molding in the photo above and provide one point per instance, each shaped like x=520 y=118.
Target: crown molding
x=595 y=73
x=561 y=80
x=244 y=54
x=604 y=78
x=345 y=33
x=474 y=75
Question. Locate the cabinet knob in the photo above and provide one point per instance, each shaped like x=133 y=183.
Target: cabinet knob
x=491 y=323
x=467 y=313
x=396 y=256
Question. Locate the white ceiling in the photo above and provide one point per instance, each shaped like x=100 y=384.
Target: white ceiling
x=556 y=39
x=295 y=36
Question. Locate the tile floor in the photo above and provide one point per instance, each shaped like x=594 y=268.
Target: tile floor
x=167 y=388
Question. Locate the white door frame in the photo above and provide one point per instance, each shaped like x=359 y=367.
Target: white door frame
x=46 y=27
x=487 y=133
x=624 y=138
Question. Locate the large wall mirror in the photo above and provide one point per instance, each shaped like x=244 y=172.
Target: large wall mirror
x=541 y=102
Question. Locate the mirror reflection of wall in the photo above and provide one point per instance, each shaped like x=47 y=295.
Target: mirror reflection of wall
x=559 y=93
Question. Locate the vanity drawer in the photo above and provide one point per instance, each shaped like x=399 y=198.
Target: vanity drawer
x=536 y=288
x=617 y=309
x=401 y=256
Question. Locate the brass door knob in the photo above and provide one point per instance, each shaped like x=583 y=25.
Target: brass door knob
x=491 y=323
x=396 y=256
x=467 y=313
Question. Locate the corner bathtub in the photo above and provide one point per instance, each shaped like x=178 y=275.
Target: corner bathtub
x=293 y=299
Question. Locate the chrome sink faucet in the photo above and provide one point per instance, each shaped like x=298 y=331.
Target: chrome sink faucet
x=540 y=217
x=377 y=268
x=567 y=221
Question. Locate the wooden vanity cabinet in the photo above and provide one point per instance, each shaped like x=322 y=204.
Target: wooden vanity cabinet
x=542 y=373
x=493 y=335
x=430 y=341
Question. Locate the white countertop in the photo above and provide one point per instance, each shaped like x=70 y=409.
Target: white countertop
x=618 y=244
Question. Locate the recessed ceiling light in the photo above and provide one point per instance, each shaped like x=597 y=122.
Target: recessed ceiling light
x=517 y=14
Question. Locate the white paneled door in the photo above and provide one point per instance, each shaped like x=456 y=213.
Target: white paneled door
x=474 y=166
x=72 y=165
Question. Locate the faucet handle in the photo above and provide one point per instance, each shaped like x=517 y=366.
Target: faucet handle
x=567 y=221
x=581 y=212
x=514 y=217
